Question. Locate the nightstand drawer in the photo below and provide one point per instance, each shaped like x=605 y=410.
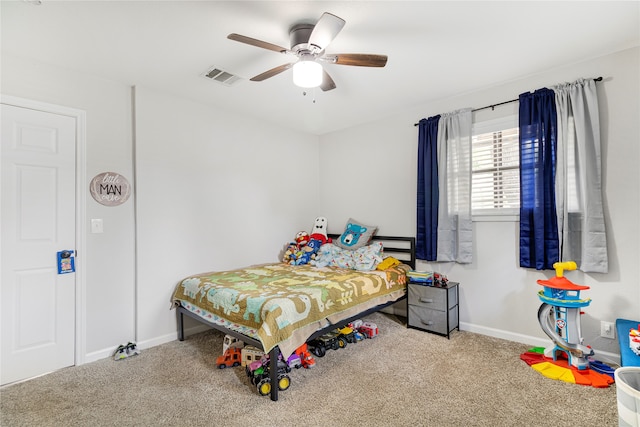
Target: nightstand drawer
x=432 y=297
x=433 y=320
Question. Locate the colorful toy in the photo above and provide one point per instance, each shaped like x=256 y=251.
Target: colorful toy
x=303 y=251
x=306 y=360
x=302 y=238
x=232 y=357
x=258 y=373
x=319 y=230
x=309 y=252
x=330 y=340
x=368 y=329
x=250 y=354
x=349 y=334
x=559 y=316
x=231 y=341
x=634 y=340
x=355 y=324
x=294 y=361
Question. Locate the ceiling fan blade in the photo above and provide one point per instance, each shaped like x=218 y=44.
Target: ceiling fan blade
x=272 y=72
x=357 y=59
x=256 y=42
x=327 y=82
x=325 y=30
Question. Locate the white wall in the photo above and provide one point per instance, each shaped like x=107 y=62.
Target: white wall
x=214 y=191
x=497 y=297
x=109 y=259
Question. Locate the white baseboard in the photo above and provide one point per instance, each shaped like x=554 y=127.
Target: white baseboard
x=108 y=352
x=603 y=356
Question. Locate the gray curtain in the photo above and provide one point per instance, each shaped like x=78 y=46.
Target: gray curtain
x=581 y=226
x=455 y=234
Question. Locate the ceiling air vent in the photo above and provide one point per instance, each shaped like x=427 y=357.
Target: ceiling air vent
x=221 y=76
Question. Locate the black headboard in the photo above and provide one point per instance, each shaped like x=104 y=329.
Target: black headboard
x=402 y=248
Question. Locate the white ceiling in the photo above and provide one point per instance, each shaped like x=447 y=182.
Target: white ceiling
x=436 y=49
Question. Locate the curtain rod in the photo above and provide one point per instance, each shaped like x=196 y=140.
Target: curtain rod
x=597 y=79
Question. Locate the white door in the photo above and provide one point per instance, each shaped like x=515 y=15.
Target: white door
x=38 y=216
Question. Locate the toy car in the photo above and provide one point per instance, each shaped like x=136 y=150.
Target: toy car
x=368 y=329
x=306 y=360
x=355 y=324
x=294 y=361
x=231 y=341
x=331 y=340
x=348 y=333
x=232 y=357
x=251 y=354
x=440 y=280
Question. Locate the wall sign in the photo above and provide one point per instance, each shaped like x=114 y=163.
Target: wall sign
x=110 y=189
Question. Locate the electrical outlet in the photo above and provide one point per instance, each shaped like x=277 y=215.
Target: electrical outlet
x=607 y=330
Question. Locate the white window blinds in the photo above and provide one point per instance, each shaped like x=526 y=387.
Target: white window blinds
x=495 y=187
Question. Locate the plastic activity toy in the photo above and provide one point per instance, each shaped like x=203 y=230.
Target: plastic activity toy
x=559 y=316
x=567 y=359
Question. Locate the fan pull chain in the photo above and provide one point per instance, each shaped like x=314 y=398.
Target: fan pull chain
x=304 y=93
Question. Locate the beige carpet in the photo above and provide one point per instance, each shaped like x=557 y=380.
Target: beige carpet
x=403 y=377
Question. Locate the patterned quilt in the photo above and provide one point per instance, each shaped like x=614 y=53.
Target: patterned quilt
x=281 y=304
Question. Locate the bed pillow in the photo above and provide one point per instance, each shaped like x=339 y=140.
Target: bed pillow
x=365 y=258
x=355 y=235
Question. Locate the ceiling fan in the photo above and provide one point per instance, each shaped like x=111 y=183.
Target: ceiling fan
x=308 y=44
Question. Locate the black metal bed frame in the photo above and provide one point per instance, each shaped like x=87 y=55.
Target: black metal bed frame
x=400 y=247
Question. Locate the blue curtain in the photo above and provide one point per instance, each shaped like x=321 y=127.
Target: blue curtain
x=539 y=243
x=427 y=221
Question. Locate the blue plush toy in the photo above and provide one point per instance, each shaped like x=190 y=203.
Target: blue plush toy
x=300 y=254
x=308 y=252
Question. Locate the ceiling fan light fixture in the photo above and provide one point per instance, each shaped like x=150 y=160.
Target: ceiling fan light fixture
x=307 y=74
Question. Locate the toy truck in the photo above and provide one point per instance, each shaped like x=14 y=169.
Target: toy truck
x=368 y=329
x=331 y=340
x=232 y=357
x=294 y=361
x=306 y=360
x=251 y=354
x=231 y=341
x=258 y=373
x=349 y=334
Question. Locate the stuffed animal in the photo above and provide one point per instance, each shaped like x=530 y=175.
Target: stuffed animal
x=319 y=230
x=290 y=254
x=302 y=251
x=302 y=238
x=308 y=253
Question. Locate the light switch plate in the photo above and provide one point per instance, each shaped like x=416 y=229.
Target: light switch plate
x=96 y=226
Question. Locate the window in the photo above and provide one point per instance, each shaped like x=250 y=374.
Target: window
x=495 y=174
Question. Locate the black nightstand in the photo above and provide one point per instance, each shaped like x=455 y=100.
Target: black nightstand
x=433 y=308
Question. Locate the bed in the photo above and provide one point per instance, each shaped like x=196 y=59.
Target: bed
x=278 y=307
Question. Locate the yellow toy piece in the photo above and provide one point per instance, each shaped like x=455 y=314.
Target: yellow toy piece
x=561 y=266
x=555 y=372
